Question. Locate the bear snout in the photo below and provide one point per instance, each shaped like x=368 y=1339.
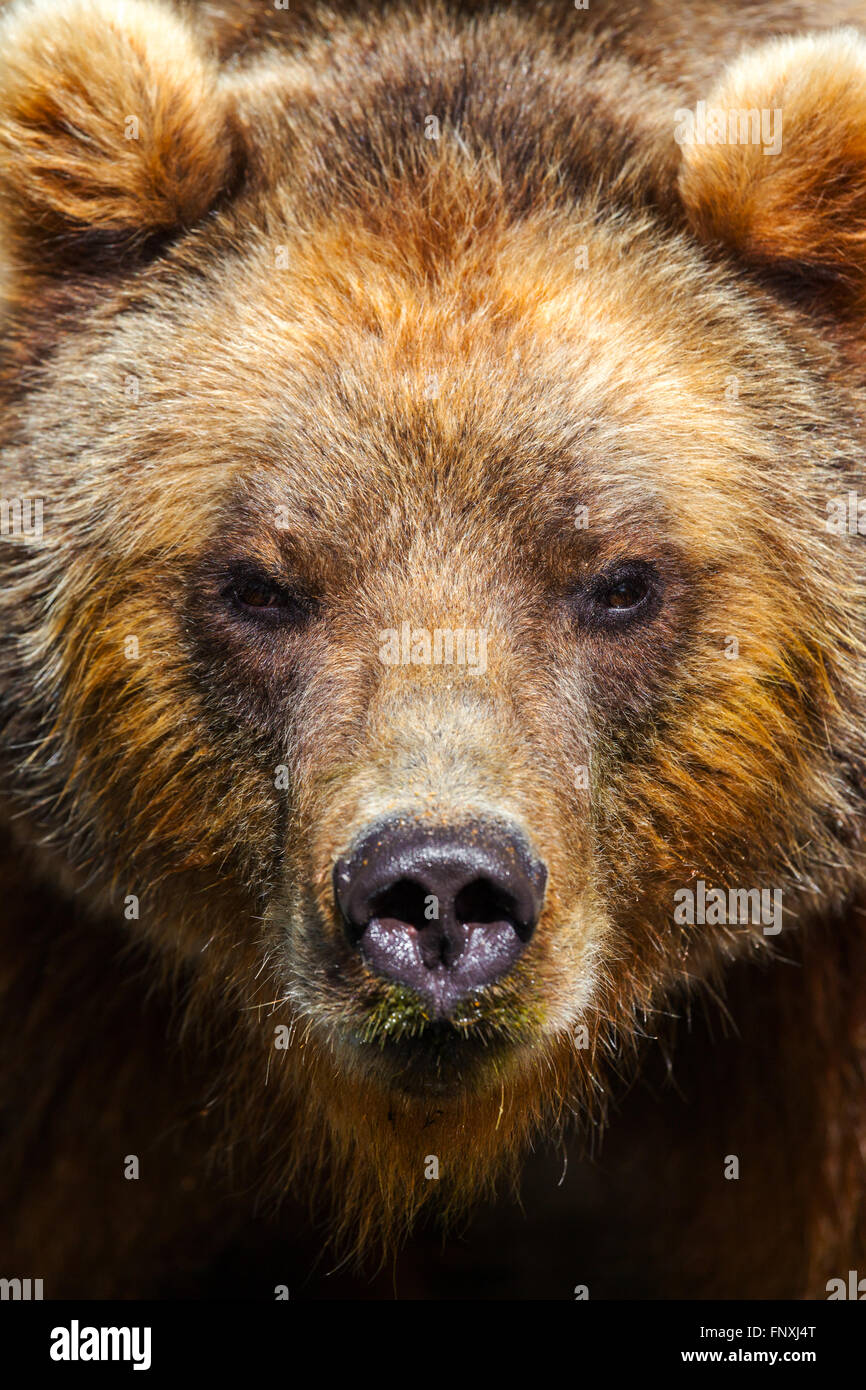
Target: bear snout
x=443 y=910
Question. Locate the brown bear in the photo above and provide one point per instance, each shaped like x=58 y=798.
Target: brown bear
x=432 y=687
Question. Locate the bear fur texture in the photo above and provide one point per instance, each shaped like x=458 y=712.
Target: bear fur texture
x=331 y=324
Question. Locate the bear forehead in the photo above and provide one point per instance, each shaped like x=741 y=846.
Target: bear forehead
x=317 y=375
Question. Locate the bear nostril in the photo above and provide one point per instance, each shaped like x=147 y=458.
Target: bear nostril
x=482 y=902
x=441 y=910
x=405 y=902
x=478 y=903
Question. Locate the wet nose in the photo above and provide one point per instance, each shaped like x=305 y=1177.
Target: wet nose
x=442 y=910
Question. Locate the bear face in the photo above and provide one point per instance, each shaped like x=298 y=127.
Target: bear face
x=408 y=507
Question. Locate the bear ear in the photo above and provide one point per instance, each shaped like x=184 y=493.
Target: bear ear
x=113 y=128
x=792 y=202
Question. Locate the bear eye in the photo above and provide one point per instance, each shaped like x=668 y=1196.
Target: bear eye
x=627 y=593
x=256 y=593
x=624 y=593
x=263 y=599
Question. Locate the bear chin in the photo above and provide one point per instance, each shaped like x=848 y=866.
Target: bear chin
x=445 y=1060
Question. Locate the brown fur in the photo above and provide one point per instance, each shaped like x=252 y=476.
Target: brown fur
x=320 y=263
x=805 y=214
x=72 y=74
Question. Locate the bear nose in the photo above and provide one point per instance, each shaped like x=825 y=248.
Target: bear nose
x=442 y=910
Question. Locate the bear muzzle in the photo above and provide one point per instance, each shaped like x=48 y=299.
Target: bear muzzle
x=442 y=910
